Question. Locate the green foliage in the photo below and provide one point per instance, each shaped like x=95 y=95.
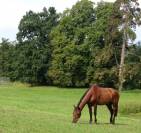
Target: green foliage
x=130 y=108
x=130 y=103
x=132 y=70
x=102 y=66
x=79 y=47
x=33 y=49
x=6 y=57
x=70 y=56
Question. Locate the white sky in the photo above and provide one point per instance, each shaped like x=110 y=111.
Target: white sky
x=11 y=12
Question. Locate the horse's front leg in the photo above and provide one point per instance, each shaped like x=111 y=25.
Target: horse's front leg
x=95 y=113
x=90 y=113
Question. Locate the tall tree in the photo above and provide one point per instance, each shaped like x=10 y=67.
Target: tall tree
x=131 y=14
x=70 y=56
x=33 y=49
x=102 y=66
x=6 y=57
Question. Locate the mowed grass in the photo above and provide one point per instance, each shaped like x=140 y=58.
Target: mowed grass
x=26 y=109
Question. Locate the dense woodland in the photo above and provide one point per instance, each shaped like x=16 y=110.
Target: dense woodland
x=75 y=48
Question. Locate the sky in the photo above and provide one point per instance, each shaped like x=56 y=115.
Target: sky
x=12 y=11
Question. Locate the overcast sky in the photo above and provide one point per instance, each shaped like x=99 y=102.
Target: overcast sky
x=11 y=12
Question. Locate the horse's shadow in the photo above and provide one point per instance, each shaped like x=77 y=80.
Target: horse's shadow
x=104 y=123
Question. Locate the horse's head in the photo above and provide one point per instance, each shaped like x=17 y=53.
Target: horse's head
x=76 y=114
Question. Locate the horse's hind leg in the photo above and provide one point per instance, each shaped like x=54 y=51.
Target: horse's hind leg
x=115 y=110
x=109 y=106
x=115 y=106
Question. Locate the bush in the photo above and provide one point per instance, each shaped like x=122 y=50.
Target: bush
x=130 y=108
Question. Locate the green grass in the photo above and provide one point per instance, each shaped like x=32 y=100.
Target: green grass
x=26 y=109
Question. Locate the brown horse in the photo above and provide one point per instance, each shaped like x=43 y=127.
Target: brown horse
x=98 y=96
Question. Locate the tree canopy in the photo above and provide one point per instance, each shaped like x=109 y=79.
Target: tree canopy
x=78 y=47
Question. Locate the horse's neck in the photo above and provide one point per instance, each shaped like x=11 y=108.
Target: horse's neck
x=84 y=100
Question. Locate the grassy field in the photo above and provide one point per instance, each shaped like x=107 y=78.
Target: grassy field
x=49 y=110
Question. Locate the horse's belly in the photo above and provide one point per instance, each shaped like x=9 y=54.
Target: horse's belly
x=104 y=100
x=103 y=103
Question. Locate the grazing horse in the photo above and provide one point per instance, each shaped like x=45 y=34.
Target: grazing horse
x=97 y=96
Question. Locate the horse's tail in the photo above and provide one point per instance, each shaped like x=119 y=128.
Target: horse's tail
x=116 y=100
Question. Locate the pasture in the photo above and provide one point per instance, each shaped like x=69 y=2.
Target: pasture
x=26 y=109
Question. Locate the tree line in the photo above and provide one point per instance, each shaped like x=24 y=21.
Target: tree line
x=75 y=48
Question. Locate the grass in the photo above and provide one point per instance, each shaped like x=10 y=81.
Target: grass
x=25 y=109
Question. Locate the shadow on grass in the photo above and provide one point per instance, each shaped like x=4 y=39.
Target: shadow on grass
x=116 y=124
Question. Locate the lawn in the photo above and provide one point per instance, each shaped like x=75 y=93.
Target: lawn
x=26 y=109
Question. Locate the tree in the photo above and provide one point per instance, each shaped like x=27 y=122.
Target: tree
x=102 y=66
x=131 y=17
x=133 y=68
x=33 y=49
x=70 y=56
x=6 y=57
x=82 y=54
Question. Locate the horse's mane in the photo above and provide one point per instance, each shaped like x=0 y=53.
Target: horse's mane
x=92 y=86
x=82 y=97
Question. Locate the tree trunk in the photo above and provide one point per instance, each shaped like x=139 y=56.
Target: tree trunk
x=121 y=67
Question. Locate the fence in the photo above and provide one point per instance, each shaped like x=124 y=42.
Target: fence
x=4 y=80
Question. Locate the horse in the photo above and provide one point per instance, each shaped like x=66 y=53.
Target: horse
x=94 y=96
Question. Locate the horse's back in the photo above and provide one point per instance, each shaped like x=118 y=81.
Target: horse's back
x=106 y=95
